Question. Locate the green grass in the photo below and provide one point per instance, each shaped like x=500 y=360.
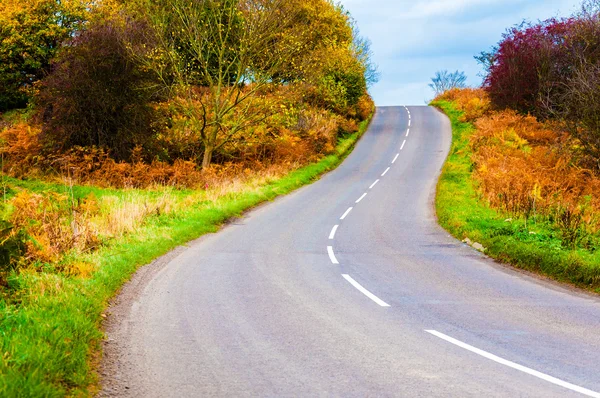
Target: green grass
x=533 y=246
x=50 y=323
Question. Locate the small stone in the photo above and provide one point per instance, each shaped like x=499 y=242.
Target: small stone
x=479 y=246
x=508 y=220
x=468 y=241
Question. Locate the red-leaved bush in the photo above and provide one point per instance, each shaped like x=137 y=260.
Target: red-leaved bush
x=529 y=65
x=552 y=70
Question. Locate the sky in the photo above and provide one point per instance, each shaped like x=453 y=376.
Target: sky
x=411 y=40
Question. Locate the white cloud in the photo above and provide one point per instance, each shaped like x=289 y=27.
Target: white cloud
x=413 y=39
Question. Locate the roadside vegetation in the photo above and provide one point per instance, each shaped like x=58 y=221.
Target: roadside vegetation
x=129 y=128
x=523 y=176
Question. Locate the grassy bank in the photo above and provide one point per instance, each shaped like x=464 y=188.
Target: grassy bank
x=50 y=321
x=528 y=244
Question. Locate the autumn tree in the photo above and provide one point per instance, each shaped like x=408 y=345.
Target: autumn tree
x=218 y=56
x=333 y=57
x=31 y=33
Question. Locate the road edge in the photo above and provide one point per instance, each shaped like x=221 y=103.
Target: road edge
x=507 y=260
x=119 y=305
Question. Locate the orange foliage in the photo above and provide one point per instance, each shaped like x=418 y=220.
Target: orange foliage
x=474 y=102
x=526 y=168
x=365 y=107
x=288 y=136
x=20 y=147
x=53 y=225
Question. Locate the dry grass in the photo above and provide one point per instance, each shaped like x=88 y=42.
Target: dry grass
x=474 y=102
x=288 y=139
x=57 y=225
x=528 y=169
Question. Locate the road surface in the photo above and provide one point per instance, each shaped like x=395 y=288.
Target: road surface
x=348 y=287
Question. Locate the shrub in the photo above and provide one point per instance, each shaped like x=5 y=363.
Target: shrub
x=474 y=103
x=520 y=169
x=551 y=70
x=578 y=109
x=527 y=66
x=523 y=167
x=98 y=95
x=20 y=148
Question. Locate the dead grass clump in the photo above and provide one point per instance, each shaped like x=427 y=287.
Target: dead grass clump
x=320 y=129
x=118 y=216
x=93 y=166
x=20 y=148
x=473 y=102
x=53 y=224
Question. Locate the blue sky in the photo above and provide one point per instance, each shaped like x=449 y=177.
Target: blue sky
x=411 y=40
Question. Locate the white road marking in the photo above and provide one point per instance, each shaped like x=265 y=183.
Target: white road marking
x=409 y=122
x=385 y=172
x=396 y=158
x=407 y=132
x=365 y=291
x=331 y=255
x=333 y=231
x=375 y=183
x=402 y=147
x=361 y=198
x=516 y=366
x=346 y=213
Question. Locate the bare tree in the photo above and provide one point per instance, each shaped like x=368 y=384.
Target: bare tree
x=579 y=111
x=575 y=99
x=218 y=56
x=444 y=81
x=362 y=47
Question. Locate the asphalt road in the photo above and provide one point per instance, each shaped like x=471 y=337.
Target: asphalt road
x=279 y=304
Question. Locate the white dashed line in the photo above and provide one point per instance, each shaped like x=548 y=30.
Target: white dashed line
x=365 y=291
x=407 y=132
x=402 y=147
x=361 y=198
x=375 y=183
x=409 y=122
x=516 y=366
x=385 y=172
x=331 y=255
x=346 y=213
x=396 y=158
x=333 y=231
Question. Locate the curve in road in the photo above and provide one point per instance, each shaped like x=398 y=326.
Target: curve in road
x=348 y=287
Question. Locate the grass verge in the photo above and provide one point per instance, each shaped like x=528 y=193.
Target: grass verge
x=50 y=321
x=533 y=246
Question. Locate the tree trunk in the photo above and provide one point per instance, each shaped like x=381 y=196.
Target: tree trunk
x=208 y=151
